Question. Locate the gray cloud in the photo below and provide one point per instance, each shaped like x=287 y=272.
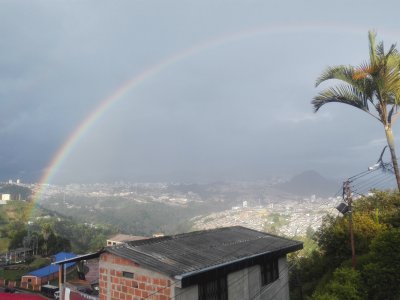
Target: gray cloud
x=238 y=109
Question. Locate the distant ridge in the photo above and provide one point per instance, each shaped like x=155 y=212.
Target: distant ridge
x=309 y=183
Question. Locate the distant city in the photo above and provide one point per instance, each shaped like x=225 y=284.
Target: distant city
x=264 y=206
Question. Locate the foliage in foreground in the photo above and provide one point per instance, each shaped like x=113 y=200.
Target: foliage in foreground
x=327 y=273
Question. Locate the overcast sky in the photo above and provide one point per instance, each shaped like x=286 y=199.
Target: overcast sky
x=232 y=104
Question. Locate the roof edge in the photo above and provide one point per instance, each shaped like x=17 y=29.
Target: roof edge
x=80 y=257
x=282 y=251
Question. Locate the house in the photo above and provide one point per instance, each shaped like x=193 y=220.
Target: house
x=5 y=197
x=35 y=279
x=123 y=238
x=224 y=263
x=17 y=255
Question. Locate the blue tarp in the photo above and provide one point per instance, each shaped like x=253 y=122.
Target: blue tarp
x=50 y=269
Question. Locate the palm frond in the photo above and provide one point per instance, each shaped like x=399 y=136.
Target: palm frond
x=375 y=83
x=372 y=47
x=388 y=78
x=380 y=50
x=341 y=94
x=365 y=70
x=344 y=73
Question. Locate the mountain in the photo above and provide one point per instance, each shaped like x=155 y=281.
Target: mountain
x=309 y=183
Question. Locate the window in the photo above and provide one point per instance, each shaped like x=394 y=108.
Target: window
x=269 y=271
x=127 y=274
x=214 y=288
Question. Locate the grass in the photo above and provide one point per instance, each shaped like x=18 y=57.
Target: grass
x=14 y=275
x=38 y=263
x=17 y=273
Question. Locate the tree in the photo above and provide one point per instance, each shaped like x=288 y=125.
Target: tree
x=384 y=207
x=381 y=274
x=346 y=284
x=333 y=235
x=16 y=240
x=373 y=87
x=46 y=231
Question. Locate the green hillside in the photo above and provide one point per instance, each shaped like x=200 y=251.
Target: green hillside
x=327 y=273
x=23 y=222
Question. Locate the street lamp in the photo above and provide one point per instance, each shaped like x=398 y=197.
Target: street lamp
x=343 y=208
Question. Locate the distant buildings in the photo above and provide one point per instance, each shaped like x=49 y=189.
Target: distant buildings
x=4 y=198
x=10 y=181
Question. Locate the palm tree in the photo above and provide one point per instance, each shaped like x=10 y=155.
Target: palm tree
x=373 y=87
x=46 y=231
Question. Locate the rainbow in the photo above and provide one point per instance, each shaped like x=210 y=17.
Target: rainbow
x=85 y=126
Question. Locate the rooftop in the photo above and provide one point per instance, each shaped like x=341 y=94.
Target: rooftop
x=188 y=254
x=125 y=238
x=50 y=269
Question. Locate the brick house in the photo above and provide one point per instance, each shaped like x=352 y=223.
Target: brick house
x=224 y=263
x=35 y=279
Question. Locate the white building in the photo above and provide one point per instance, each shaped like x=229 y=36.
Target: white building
x=5 y=197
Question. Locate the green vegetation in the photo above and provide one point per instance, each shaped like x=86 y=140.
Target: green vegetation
x=53 y=232
x=326 y=272
x=373 y=87
x=15 y=272
x=131 y=217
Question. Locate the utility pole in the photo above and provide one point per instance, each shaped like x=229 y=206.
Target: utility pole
x=348 y=199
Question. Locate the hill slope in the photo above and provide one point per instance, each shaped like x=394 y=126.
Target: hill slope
x=309 y=183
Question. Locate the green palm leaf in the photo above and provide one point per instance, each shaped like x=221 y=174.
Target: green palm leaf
x=376 y=82
x=345 y=94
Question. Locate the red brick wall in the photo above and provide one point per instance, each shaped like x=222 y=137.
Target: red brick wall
x=145 y=284
x=34 y=281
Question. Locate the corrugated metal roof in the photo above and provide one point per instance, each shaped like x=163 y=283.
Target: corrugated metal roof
x=125 y=238
x=191 y=252
x=50 y=269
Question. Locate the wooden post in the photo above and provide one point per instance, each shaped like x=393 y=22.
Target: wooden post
x=348 y=199
x=61 y=280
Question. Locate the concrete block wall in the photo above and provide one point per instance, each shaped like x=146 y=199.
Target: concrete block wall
x=145 y=284
x=278 y=289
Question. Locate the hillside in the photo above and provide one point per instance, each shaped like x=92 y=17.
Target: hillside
x=21 y=221
x=309 y=183
x=17 y=192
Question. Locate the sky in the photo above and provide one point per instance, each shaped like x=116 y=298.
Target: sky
x=192 y=91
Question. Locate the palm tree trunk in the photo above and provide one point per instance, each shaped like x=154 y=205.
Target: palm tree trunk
x=390 y=141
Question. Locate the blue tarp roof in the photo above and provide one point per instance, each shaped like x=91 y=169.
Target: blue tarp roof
x=50 y=269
